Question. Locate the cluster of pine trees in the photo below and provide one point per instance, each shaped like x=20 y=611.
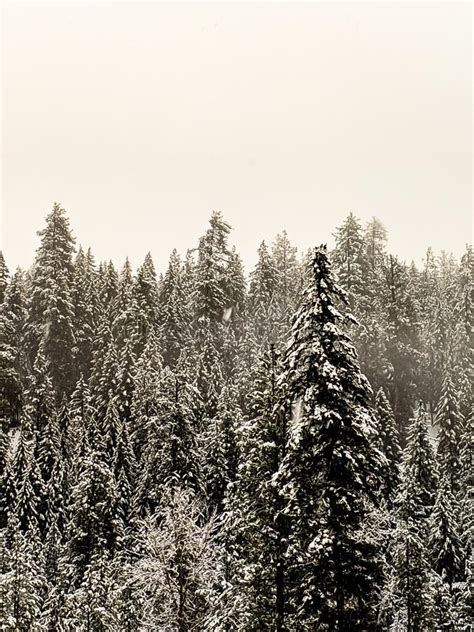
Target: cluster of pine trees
x=202 y=452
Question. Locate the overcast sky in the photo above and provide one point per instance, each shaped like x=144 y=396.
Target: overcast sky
x=142 y=118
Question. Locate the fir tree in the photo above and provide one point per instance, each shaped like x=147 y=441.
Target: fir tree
x=445 y=544
x=221 y=449
x=23 y=583
x=420 y=478
x=331 y=469
x=174 y=315
x=449 y=425
x=51 y=312
x=254 y=509
x=390 y=444
x=172 y=457
x=145 y=290
x=13 y=314
x=414 y=603
x=349 y=259
x=4 y=276
x=86 y=309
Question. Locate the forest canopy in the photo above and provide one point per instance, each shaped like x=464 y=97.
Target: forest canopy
x=202 y=450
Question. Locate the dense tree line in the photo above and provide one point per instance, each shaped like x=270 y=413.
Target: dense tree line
x=198 y=450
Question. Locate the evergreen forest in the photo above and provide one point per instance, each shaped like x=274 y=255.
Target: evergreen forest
x=209 y=449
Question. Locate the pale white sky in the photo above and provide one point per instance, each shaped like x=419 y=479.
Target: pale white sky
x=142 y=118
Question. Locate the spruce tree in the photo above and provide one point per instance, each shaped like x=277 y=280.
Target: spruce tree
x=446 y=549
x=331 y=470
x=86 y=309
x=348 y=257
x=414 y=602
x=13 y=314
x=403 y=339
x=174 y=315
x=51 y=311
x=449 y=423
x=4 y=276
x=145 y=291
x=173 y=456
x=221 y=449
x=22 y=590
x=420 y=476
x=389 y=437
x=254 y=508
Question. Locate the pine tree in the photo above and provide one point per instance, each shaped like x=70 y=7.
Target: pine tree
x=466 y=493
x=124 y=308
x=390 y=445
x=174 y=315
x=255 y=519
x=104 y=369
x=348 y=257
x=108 y=289
x=4 y=276
x=125 y=379
x=172 y=456
x=261 y=299
x=144 y=408
x=221 y=449
x=86 y=309
x=403 y=339
x=414 y=603
x=23 y=583
x=13 y=315
x=289 y=284
x=93 y=526
x=211 y=292
x=445 y=544
x=331 y=469
x=375 y=239
x=464 y=331
x=145 y=290
x=420 y=478
x=51 y=312
x=90 y=605
x=449 y=425
x=26 y=495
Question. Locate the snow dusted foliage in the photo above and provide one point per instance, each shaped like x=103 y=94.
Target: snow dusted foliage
x=179 y=567
x=174 y=312
x=420 y=472
x=13 y=314
x=349 y=258
x=449 y=423
x=414 y=600
x=85 y=300
x=22 y=583
x=254 y=509
x=4 y=277
x=390 y=444
x=445 y=543
x=189 y=452
x=173 y=455
x=51 y=311
x=466 y=494
x=331 y=471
